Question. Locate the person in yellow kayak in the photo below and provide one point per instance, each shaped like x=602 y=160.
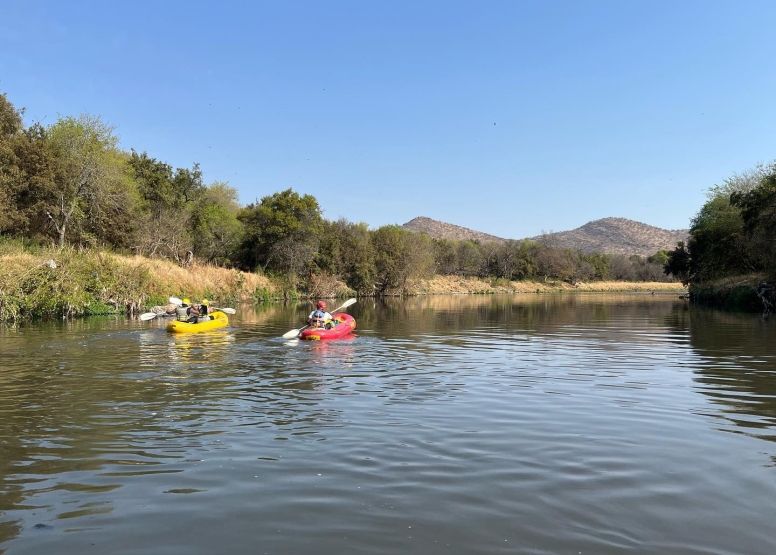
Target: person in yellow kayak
x=195 y=312
x=319 y=318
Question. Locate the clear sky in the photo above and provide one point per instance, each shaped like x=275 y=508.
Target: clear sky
x=509 y=117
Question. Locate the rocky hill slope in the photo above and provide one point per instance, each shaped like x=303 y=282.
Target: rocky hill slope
x=441 y=230
x=617 y=236
x=608 y=235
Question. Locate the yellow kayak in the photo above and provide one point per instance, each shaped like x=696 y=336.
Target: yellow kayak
x=219 y=320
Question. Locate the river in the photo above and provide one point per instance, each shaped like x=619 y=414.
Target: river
x=529 y=424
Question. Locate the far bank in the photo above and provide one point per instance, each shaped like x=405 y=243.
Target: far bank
x=65 y=283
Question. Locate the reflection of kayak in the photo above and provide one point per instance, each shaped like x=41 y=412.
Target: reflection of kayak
x=220 y=320
x=343 y=325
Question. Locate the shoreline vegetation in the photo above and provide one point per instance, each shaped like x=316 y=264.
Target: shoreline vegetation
x=72 y=197
x=66 y=283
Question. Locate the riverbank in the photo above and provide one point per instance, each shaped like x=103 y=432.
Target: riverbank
x=440 y=285
x=731 y=293
x=54 y=283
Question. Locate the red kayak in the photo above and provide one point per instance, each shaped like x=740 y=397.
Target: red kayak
x=343 y=325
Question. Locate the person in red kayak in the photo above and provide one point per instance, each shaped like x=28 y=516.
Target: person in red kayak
x=319 y=318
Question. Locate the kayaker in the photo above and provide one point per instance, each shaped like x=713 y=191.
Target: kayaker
x=319 y=318
x=203 y=310
x=194 y=312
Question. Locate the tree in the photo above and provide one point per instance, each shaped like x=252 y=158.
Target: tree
x=216 y=231
x=281 y=232
x=358 y=258
x=446 y=256
x=516 y=260
x=716 y=244
x=168 y=199
x=400 y=256
x=470 y=258
x=758 y=212
x=11 y=128
x=87 y=171
x=154 y=182
x=743 y=182
x=29 y=182
x=678 y=263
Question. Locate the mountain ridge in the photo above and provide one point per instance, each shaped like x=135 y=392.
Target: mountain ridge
x=606 y=235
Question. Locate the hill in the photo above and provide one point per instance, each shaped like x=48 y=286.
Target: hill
x=608 y=235
x=617 y=236
x=441 y=230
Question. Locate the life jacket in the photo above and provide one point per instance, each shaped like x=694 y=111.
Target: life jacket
x=182 y=313
x=318 y=315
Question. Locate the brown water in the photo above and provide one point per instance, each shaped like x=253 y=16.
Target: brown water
x=536 y=424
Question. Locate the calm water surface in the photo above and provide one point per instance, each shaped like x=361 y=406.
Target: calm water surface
x=566 y=424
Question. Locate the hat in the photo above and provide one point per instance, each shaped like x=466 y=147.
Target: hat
x=322 y=304
x=186 y=301
x=205 y=302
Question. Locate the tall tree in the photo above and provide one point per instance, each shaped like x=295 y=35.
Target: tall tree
x=358 y=257
x=758 y=212
x=216 y=231
x=281 y=232
x=168 y=201
x=88 y=170
x=11 y=127
x=400 y=256
x=716 y=244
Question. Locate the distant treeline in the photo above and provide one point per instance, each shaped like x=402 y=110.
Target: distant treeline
x=69 y=184
x=734 y=233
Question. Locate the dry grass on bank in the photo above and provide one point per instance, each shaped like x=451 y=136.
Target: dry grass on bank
x=199 y=279
x=459 y=285
x=165 y=278
x=168 y=278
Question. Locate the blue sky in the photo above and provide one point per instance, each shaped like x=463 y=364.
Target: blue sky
x=507 y=117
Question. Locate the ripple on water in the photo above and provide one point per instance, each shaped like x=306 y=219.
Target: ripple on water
x=555 y=429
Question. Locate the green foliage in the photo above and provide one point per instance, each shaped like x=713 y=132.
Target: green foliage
x=69 y=285
x=99 y=308
x=400 y=256
x=716 y=243
x=216 y=232
x=281 y=233
x=660 y=257
x=153 y=180
x=742 y=183
x=678 y=263
x=88 y=176
x=740 y=297
x=261 y=295
x=758 y=211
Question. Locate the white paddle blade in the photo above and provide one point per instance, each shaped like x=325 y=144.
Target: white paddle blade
x=175 y=300
x=227 y=310
x=290 y=334
x=347 y=303
x=148 y=316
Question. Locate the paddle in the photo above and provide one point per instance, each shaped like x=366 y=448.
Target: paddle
x=176 y=300
x=293 y=333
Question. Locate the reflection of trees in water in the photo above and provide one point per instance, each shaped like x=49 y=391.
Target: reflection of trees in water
x=524 y=313
x=84 y=408
x=738 y=365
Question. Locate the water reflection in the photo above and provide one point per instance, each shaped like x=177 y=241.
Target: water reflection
x=736 y=369
x=450 y=424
